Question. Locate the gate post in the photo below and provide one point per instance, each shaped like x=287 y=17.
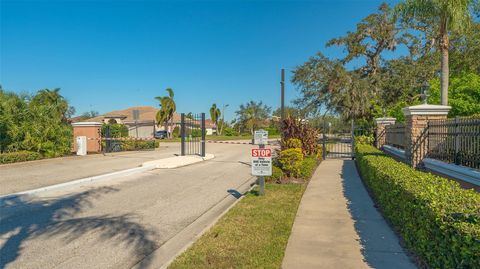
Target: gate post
x=352 y=143
x=416 y=124
x=182 y=134
x=203 y=135
x=380 y=131
x=324 y=148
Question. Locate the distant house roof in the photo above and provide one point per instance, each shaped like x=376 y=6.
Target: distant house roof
x=209 y=124
x=146 y=113
x=113 y=116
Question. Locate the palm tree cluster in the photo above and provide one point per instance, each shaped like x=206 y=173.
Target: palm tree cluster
x=167 y=110
x=215 y=115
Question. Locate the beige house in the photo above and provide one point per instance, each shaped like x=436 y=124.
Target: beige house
x=141 y=122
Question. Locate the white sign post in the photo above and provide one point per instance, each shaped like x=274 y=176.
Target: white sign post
x=261 y=159
x=261 y=137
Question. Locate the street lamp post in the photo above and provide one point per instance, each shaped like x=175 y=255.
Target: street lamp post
x=223 y=118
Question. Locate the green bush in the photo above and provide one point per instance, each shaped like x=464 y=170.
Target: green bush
x=292 y=143
x=319 y=153
x=114 y=130
x=229 y=132
x=364 y=139
x=36 y=123
x=290 y=161
x=277 y=174
x=437 y=219
x=308 y=167
x=176 y=132
x=196 y=133
x=128 y=145
x=272 y=130
x=19 y=156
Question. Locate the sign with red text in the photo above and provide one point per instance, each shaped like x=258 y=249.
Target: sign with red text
x=261 y=162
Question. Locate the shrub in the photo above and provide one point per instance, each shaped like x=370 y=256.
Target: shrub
x=290 y=161
x=176 y=132
x=272 y=130
x=292 y=143
x=319 y=153
x=114 y=130
x=196 y=133
x=35 y=123
x=19 y=156
x=128 y=145
x=293 y=128
x=229 y=131
x=437 y=219
x=364 y=139
x=277 y=174
x=308 y=167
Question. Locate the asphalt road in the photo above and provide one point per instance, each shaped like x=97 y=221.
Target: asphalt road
x=115 y=224
x=24 y=176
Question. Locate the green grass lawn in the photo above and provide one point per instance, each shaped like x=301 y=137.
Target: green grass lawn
x=253 y=234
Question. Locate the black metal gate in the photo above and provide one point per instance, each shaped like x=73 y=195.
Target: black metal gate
x=338 y=143
x=115 y=140
x=192 y=133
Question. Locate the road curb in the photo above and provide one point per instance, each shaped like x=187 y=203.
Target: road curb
x=180 y=242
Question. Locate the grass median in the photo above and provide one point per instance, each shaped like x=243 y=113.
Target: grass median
x=253 y=234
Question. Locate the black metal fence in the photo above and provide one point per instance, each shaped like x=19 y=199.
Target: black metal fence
x=455 y=141
x=395 y=135
x=192 y=133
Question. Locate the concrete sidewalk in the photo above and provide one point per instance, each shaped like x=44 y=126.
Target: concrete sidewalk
x=337 y=225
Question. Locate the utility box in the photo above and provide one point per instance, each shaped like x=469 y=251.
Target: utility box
x=92 y=132
x=81 y=145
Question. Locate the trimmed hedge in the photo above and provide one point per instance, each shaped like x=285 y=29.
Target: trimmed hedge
x=19 y=156
x=129 y=145
x=438 y=220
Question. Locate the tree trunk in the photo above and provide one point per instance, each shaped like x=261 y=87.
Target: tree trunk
x=444 y=44
x=166 y=127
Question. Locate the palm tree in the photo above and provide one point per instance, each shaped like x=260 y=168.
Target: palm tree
x=215 y=115
x=443 y=17
x=167 y=110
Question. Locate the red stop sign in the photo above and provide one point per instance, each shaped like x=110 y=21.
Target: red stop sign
x=261 y=153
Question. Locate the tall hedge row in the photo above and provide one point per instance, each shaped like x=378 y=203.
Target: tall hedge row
x=438 y=220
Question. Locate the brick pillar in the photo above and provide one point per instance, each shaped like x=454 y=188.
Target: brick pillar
x=92 y=130
x=416 y=121
x=380 y=130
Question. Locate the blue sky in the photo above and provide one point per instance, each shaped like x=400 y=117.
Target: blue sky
x=108 y=55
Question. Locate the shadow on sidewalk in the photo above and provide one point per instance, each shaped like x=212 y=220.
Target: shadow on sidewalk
x=22 y=220
x=380 y=246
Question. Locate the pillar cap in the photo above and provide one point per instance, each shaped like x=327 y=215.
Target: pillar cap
x=426 y=109
x=87 y=124
x=385 y=120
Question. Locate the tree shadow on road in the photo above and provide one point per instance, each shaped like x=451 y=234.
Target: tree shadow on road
x=23 y=219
